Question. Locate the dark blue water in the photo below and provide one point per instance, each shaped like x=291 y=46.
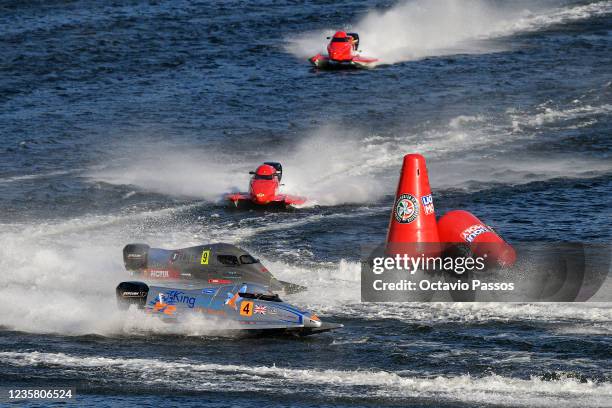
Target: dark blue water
x=126 y=122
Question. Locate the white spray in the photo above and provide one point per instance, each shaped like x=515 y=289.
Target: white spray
x=417 y=29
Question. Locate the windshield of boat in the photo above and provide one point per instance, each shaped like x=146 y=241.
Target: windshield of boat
x=228 y=260
x=260 y=296
x=345 y=39
x=263 y=177
x=247 y=259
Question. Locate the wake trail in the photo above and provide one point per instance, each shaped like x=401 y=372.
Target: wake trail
x=413 y=30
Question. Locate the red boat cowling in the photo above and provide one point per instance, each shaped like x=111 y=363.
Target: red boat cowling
x=341 y=48
x=264 y=184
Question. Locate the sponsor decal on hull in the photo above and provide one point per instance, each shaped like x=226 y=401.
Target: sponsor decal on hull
x=205 y=256
x=221 y=281
x=175 y=297
x=159 y=273
x=246 y=308
x=213 y=312
x=260 y=309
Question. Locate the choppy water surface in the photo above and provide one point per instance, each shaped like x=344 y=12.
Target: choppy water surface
x=126 y=122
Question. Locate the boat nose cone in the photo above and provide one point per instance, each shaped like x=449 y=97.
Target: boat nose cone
x=312 y=321
x=263 y=191
x=261 y=198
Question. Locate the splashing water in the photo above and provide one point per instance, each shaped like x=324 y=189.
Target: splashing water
x=417 y=29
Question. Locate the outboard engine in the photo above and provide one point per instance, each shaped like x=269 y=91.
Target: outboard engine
x=132 y=293
x=135 y=256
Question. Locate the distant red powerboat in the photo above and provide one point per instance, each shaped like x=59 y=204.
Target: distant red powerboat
x=342 y=51
x=263 y=190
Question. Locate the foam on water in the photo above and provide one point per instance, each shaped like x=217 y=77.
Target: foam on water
x=362 y=168
x=335 y=290
x=44 y=262
x=334 y=165
x=213 y=118
x=61 y=278
x=28 y=177
x=194 y=172
x=551 y=115
x=331 y=167
x=195 y=376
x=320 y=168
x=416 y=29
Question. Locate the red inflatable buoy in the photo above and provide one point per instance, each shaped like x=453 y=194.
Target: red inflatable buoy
x=413 y=218
x=460 y=226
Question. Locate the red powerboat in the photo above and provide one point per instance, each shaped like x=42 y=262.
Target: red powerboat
x=263 y=189
x=342 y=51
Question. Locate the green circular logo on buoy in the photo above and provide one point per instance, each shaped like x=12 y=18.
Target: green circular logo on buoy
x=406 y=209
